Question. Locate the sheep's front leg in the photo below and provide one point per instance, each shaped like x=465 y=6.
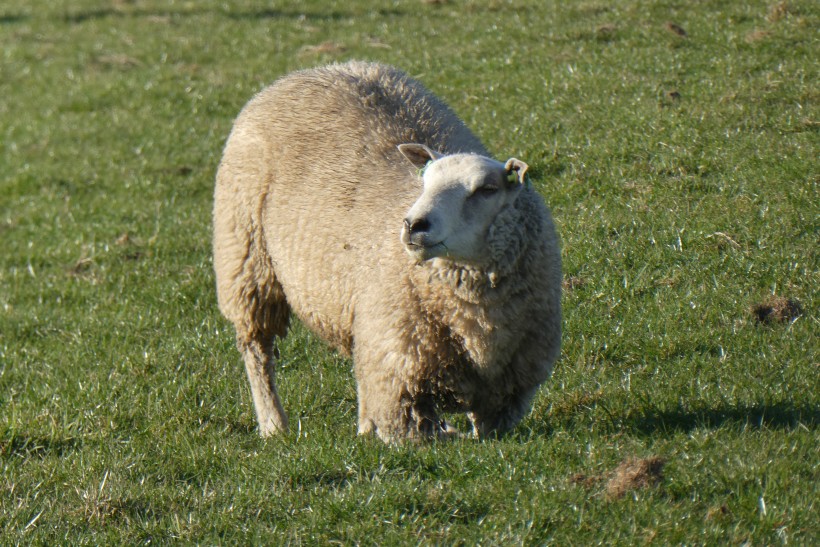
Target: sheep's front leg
x=383 y=408
x=259 y=364
x=389 y=404
x=493 y=420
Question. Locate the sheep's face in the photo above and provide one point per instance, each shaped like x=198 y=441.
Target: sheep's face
x=462 y=195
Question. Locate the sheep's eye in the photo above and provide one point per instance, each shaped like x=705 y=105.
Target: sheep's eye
x=486 y=191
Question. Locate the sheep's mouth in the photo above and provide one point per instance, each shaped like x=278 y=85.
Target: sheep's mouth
x=423 y=252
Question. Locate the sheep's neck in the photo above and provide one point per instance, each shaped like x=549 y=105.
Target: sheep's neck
x=469 y=306
x=466 y=283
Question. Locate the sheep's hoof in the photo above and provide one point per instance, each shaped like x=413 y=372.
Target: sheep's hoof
x=271 y=427
x=448 y=431
x=367 y=427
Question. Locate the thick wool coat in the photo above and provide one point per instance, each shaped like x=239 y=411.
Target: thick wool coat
x=309 y=202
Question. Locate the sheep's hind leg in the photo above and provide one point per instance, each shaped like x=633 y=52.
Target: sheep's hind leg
x=259 y=355
x=251 y=298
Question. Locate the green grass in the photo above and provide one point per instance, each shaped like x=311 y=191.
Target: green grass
x=683 y=176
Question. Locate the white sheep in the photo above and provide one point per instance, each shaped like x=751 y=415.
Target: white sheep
x=434 y=266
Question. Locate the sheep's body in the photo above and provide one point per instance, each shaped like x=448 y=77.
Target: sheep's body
x=309 y=202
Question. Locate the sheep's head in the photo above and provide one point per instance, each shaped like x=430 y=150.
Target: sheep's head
x=462 y=196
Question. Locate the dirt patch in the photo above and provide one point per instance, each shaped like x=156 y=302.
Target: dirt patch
x=131 y=247
x=82 y=268
x=675 y=29
x=778 y=11
x=777 y=309
x=328 y=48
x=119 y=60
x=634 y=474
x=757 y=35
x=716 y=513
x=605 y=31
x=587 y=481
x=573 y=282
x=631 y=474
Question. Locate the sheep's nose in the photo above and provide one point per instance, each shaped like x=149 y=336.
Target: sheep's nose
x=416 y=225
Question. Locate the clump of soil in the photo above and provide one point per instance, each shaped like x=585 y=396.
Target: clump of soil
x=573 y=282
x=778 y=309
x=633 y=474
x=675 y=29
x=718 y=512
x=778 y=12
x=605 y=31
x=757 y=35
x=328 y=47
x=587 y=481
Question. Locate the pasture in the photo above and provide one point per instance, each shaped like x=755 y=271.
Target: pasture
x=677 y=146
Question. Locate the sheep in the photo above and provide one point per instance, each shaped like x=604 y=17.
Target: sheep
x=352 y=197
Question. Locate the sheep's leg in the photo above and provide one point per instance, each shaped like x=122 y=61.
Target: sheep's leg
x=494 y=421
x=260 y=314
x=259 y=354
x=425 y=419
x=248 y=291
x=387 y=409
x=381 y=408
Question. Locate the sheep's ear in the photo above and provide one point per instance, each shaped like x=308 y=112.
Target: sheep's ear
x=515 y=170
x=419 y=154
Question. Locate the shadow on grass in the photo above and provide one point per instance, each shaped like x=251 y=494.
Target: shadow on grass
x=90 y=15
x=227 y=425
x=435 y=504
x=332 y=479
x=781 y=416
x=11 y=18
x=784 y=416
x=301 y=14
x=25 y=446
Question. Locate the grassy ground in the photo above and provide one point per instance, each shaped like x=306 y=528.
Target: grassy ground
x=681 y=164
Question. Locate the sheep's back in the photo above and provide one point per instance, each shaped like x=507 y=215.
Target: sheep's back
x=335 y=186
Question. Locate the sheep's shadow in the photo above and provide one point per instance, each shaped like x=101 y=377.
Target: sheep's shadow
x=784 y=416
x=779 y=416
x=37 y=447
x=11 y=18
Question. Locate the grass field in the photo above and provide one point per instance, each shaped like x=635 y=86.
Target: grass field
x=677 y=145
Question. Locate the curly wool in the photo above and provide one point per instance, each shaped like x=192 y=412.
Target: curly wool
x=309 y=202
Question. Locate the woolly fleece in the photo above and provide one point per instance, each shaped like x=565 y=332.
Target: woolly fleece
x=309 y=204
